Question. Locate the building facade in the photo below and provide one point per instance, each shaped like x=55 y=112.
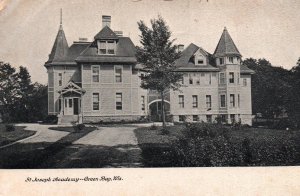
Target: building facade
x=100 y=81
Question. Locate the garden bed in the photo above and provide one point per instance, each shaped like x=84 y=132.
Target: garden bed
x=7 y=137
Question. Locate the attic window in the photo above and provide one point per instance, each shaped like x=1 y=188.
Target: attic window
x=199 y=60
x=107 y=47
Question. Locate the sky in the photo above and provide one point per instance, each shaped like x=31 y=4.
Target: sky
x=260 y=28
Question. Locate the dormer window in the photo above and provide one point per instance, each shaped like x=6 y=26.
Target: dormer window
x=200 y=60
x=107 y=47
x=221 y=61
x=230 y=59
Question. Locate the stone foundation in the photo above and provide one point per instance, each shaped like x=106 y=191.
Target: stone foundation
x=101 y=119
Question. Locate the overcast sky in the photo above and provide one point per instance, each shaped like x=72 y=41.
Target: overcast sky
x=261 y=29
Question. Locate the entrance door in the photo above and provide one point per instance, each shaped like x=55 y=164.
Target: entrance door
x=69 y=106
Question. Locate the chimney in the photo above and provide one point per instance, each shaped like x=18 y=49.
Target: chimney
x=180 y=47
x=106 y=21
x=82 y=39
x=119 y=33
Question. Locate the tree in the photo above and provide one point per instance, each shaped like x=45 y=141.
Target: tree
x=294 y=102
x=270 y=87
x=8 y=90
x=158 y=55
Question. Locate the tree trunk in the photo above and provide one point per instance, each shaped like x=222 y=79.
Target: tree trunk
x=163 y=109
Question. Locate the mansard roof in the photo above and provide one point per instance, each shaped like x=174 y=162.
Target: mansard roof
x=226 y=46
x=60 y=47
x=186 y=63
x=106 y=33
x=125 y=53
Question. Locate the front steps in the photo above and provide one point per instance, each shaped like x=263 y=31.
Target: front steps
x=68 y=119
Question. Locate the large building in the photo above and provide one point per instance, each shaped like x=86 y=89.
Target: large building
x=99 y=81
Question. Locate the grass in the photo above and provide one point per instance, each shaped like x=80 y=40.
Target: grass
x=12 y=136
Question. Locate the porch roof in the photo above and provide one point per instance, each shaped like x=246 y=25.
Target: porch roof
x=71 y=87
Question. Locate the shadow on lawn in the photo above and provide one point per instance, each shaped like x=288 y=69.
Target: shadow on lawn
x=36 y=155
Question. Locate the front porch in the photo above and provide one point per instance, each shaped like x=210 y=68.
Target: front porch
x=70 y=104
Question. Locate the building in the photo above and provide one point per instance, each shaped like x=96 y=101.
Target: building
x=94 y=81
x=99 y=81
x=215 y=85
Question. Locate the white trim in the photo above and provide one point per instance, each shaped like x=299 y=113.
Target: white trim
x=116 y=67
x=93 y=101
x=220 y=102
x=92 y=82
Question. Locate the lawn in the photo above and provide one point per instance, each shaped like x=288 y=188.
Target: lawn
x=7 y=137
x=158 y=148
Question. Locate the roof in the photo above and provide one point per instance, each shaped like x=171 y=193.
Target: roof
x=106 y=33
x=60 y=47
x=185 y=63
x=73 y=52
x=245 y=70
x=226 y=46
x=125 y=52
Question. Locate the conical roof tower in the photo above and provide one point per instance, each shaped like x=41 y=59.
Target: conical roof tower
x=60 y=48
x=226 y=46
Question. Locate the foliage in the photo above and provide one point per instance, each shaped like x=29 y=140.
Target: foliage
x=10 y=127
x=158 y=55
x=270 y=87
x=79 y=127
x=20 y=100
x=153 y=127
x=210 y=145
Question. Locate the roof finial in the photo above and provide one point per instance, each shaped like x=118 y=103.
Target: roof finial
x=225 y=29
x=60 y=18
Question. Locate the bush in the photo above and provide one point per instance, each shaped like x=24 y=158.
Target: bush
x=10 y=127
x=165 y=131
x=79 y=127
x=153 y=127
x=210 y=145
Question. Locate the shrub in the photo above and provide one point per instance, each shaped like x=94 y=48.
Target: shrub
x=210 y=145
x=165 y=131
x=10 y=127
x=153 y=127
x=79 y=127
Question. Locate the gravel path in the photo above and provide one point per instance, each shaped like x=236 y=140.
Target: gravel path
x=110 y=136
x=44 y=134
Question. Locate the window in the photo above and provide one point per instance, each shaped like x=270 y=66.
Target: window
x=200 y=62
x=209 y=118
x=195 y=101
x=118 y=74
x=195 y=118
x=223 y=101
x=198 y=81
x=143 y=103
x=106 y=47
x=181 y=118
x=181 y=101
x=208 y=101
x=231 y=77
x=59 y=79
x=230 y=59
x=232 y=118
x=70 y=103
x=223 y=118
x=238 y=78
x=59 y=105
x=222 y=78
x=221 y=61
x=95 y=101
x=239 y=100
x=95 y=73
x=244 y=82
x=118 y=101
x=209 y=78
x=111 y=47
x=232 y=100
x=190 y=79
